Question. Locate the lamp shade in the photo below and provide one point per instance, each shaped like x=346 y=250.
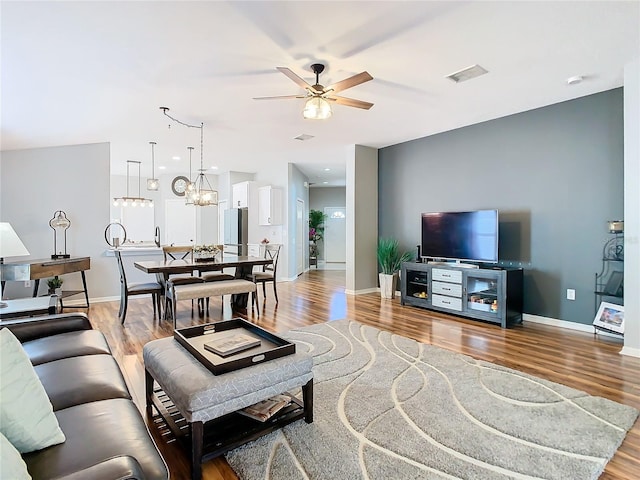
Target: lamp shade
x=10 y=243
x=317 y=108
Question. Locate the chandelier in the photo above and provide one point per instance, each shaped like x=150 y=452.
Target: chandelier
x=128 y=200
x=199 y=192
x=153 y=183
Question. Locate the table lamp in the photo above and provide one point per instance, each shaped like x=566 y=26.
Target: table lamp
x=60 y=224
x=10 y=246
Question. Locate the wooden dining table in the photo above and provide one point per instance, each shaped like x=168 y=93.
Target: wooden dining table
x=243 y=265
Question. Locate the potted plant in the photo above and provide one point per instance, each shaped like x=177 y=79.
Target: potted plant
x=54 y=285
x=316 y=231
x=390 y=260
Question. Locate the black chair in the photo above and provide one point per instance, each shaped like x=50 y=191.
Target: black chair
x=154 y=288
x=268 y=272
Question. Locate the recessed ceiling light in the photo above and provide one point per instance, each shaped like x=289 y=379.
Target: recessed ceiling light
x=325 y=182
x=327 y=169
x=175 y=158
x=162 y=167
x=214 y=168
x=467 y=73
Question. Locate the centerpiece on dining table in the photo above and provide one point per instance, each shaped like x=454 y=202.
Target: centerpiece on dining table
x=206 y=253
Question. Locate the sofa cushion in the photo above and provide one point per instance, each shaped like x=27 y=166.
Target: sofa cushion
x=76 y=380
x=96 y=432
x=26 y=415
x=11 y=463
x=65 y=345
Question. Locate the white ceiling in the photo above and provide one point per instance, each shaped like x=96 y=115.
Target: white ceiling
x=85 y=72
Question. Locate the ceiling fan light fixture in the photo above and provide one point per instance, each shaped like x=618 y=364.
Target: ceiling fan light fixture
x=317 y=108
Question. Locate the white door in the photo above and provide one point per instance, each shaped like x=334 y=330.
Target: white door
x=180 y=223
x=301 y=235
x=335 y=235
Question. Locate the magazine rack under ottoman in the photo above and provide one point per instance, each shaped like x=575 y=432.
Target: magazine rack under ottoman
x=201 y=396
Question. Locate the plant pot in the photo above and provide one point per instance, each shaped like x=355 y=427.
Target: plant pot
x=388 y=285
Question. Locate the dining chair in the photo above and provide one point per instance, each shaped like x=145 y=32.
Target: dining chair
x=216 y=275
x=178 y=252
x=268 y=272
x=154 y=288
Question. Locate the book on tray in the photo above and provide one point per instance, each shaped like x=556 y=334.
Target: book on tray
x=228 y=345
x=264 y=410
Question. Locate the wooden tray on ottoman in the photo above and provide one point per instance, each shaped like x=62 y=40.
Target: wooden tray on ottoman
x=194 y=338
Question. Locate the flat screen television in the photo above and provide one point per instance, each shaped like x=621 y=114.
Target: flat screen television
x=469 y=236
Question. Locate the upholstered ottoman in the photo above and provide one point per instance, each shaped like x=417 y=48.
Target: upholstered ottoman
x=202 y=397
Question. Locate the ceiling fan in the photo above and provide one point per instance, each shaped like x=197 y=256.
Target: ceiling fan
x=318 y=96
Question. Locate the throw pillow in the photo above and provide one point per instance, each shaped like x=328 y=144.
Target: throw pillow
x=11 y=463
x=26 y=414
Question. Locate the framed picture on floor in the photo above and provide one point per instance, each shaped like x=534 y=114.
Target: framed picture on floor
x=610 y=317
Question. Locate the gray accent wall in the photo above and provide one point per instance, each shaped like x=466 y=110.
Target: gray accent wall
x=554 y=173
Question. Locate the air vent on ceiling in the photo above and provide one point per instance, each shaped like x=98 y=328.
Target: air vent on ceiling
x=467 y=73
x=303 y=137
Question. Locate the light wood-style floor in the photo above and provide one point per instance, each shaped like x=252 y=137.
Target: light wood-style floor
x=579 y=360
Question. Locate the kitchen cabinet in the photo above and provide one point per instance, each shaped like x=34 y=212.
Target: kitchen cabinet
x=269 y=205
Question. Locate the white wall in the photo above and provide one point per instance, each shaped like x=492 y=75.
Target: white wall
x=35 y=183
x=632 y=208
x=296 y=190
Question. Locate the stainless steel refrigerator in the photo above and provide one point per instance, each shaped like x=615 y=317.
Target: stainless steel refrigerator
x=236 y=227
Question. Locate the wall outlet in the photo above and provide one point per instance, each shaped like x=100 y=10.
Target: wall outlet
x=571 y=294
x=27 y=284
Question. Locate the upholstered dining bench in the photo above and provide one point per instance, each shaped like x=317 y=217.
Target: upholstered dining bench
x=193 y=291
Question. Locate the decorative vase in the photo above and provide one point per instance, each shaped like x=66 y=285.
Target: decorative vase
x=388 y=285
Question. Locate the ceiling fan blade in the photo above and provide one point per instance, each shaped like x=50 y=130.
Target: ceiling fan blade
x=349 y=82
x=295 y=78
x=350 y=102
x=279 y=96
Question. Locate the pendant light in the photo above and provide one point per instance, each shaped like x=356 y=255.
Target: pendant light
x=203 y=195
x=189 y=191
x=153 y=183
x=127 y=200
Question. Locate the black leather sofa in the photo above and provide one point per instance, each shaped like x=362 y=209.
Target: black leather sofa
x=106 y=436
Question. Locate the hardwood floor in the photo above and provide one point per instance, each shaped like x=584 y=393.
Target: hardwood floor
x=575 y=359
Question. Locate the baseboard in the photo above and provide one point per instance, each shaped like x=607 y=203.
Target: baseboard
x=80 y=302
x=362 y=292
x=554 y=322
x=632 y=352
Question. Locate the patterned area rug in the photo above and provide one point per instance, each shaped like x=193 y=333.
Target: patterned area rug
x=387 y=407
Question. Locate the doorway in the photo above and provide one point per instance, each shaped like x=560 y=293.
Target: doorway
x=180 y=223
x=335 y=235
